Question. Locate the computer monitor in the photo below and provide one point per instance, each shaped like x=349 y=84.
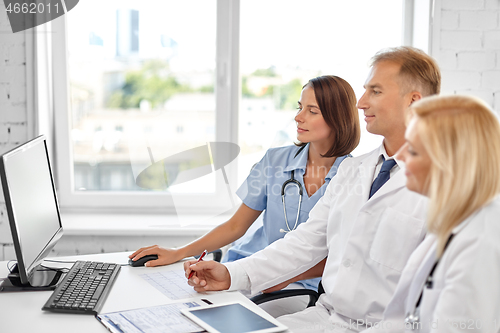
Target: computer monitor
x=33 y=211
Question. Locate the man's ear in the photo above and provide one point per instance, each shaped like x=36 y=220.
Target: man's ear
x=415 y=96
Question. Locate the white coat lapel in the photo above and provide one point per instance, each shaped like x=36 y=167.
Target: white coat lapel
x=418 y=268
x=396 y=181
x=366 y=170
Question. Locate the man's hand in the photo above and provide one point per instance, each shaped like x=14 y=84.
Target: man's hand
x=208 y=275
x=165 y=256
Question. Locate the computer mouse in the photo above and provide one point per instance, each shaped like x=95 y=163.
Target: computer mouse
x=141 y=261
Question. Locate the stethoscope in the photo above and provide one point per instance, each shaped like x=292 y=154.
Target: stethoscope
x=413 y=319
x=292 y=181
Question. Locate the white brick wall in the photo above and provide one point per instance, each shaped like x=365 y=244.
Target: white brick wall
x=12 y=86
x=8 y=252
x=468 y=49
x=448 y=60
x=449 y=20
x=476 y=60
x=478 y=20
x=492 y=39
x=461 y=40
x=13 y=127
x=5 y=237
x=462 y=4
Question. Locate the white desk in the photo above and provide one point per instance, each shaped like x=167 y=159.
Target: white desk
x=21 y=311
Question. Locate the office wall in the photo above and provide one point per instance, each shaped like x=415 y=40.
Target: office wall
x=466 y=44
x=13 y=107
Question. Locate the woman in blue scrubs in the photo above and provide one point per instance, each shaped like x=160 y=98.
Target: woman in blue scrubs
x=327 y=131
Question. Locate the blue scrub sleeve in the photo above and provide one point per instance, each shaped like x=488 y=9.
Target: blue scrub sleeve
x=253 y=191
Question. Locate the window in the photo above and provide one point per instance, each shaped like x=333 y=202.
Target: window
x=136 y=75
x=148 y=82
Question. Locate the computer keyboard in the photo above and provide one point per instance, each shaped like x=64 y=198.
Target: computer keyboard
x=84 y=288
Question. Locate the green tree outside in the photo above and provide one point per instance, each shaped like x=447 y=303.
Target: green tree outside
x=152 y=83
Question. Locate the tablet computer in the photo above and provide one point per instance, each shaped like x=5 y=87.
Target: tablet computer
x=232 y=318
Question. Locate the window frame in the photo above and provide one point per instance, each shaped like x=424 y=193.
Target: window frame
x=227 y=95
x=226 y=119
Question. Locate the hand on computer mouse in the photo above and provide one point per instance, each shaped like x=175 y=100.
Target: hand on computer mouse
x=143 y=261
x=165 y=256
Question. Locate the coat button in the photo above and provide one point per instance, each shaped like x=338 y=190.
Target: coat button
x=347 y=263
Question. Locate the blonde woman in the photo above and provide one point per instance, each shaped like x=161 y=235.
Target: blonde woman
x=452 y=281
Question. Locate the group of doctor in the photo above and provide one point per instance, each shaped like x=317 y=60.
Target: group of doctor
x=404 y=238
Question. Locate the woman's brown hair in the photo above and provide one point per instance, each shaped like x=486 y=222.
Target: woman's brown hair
x=337 y=102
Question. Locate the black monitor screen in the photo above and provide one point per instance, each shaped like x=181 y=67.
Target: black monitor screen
x=31 y=203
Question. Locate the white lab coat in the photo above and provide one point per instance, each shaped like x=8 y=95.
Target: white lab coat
x=368 y=242
x=465 y=296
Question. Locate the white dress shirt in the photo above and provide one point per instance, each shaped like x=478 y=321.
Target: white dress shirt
x=383 y=152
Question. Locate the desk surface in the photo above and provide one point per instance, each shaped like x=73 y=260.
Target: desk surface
x=21 y=311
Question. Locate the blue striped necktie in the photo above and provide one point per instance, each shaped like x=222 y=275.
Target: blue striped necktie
x=383 y=175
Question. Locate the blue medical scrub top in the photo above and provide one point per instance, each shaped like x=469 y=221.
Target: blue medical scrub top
x=262 y=191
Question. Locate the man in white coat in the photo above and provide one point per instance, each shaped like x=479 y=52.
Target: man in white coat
x=367 y=224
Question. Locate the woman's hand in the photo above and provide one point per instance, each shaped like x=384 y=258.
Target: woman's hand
x=165 y=256
x=207 y=275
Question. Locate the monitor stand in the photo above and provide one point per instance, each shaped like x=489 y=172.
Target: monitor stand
x=42 y=279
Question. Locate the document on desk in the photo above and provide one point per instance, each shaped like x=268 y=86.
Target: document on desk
x=172 y=284
x=157 y=319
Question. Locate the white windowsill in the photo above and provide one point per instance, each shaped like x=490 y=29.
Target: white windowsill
x=102 y=224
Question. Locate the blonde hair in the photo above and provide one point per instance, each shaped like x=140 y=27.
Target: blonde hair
x=462 y=137
x=419 y=71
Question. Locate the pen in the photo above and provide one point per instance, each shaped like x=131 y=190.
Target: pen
x=199 y=259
